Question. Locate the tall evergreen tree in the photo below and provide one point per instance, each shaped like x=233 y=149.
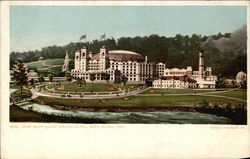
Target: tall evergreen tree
x=20 y=75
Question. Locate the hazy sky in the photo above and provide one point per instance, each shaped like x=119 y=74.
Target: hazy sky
x=34 y=27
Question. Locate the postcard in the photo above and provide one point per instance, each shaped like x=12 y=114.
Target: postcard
x=124 y=79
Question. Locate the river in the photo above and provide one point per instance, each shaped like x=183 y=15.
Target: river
x=156 y=117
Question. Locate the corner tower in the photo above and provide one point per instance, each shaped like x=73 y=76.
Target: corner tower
x=104 y=58
x=84 y=59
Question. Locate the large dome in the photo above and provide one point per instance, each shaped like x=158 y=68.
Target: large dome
x=122 y=55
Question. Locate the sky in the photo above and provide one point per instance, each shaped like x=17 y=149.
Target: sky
x=35 y=27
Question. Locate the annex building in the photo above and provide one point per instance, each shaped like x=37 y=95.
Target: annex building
x=187 y=78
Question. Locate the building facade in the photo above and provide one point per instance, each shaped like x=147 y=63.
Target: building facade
x=203 y=77
x=116 y=63
x=175 y=82
x=137 y=69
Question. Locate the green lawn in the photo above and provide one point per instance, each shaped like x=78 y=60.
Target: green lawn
x=25 y=93
x=242 y=94
x=137 y=101
x=37 y=64
x=85 y=88
x=52 y=62
x=14 y=86
x=174 y=91
x=127 y=86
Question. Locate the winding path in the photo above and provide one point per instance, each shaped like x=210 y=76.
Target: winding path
x=137 y=93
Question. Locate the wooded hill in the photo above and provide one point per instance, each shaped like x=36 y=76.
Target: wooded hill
x=179 y=51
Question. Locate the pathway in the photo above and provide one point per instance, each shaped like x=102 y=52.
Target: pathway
x=134 y=93
x=205 y=94
x=97 y=96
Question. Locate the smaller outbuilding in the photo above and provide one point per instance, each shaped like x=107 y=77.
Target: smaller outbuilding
x=41 y=58
x=176 y=82
x=241 y=76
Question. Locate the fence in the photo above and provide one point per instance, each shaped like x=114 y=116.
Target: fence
x=41 y=88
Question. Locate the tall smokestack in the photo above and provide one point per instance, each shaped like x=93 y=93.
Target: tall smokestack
x=201 y=64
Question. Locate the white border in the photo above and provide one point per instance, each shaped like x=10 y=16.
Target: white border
x=132 y=141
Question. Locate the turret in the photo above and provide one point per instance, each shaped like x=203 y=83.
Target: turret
x=85 y=59
x=77 y=59
x=103 y=52
x=66 y=62
x=104 y=60
x=84 y=52
x=201 y=64
x=208 y=71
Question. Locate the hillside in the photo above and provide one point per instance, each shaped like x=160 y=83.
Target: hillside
x=47 y=66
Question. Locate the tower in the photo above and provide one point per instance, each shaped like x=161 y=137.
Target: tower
x=201 y=64
x=65 y=66
x=104 y=59
x=77 y=59
x=84 y=59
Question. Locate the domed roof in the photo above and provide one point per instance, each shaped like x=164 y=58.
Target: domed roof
x=121 y=55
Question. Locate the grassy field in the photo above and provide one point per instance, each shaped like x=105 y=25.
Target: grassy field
x=52 y=62
x=25 y=94
x=174 y=91
x=48 y=70
x=85 y=88
x=127 y=86
x=138 y=101
x=242 y=94
x=39 y=64
x=14 y=86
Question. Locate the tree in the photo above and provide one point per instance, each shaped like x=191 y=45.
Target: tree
x=20 y=75
x=50 y=76
x=243 y=84
x=31 y=81
x=233 y=84
x=79 y=82
x=41 y=79
x=124 y=79
x=84 y=81
x=92 y=77
x=220 y=82
x=107 y=77
x=68 y=77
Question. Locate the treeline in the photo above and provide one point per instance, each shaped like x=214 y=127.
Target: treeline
x=179 y=51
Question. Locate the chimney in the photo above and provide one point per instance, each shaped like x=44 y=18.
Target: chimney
x=146 y=58
x=201 y=64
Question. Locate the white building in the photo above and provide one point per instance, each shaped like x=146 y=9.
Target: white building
x=115 y=63
x=241 y=76
x=175 y=82
x=203 y=78
x=136 y=68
